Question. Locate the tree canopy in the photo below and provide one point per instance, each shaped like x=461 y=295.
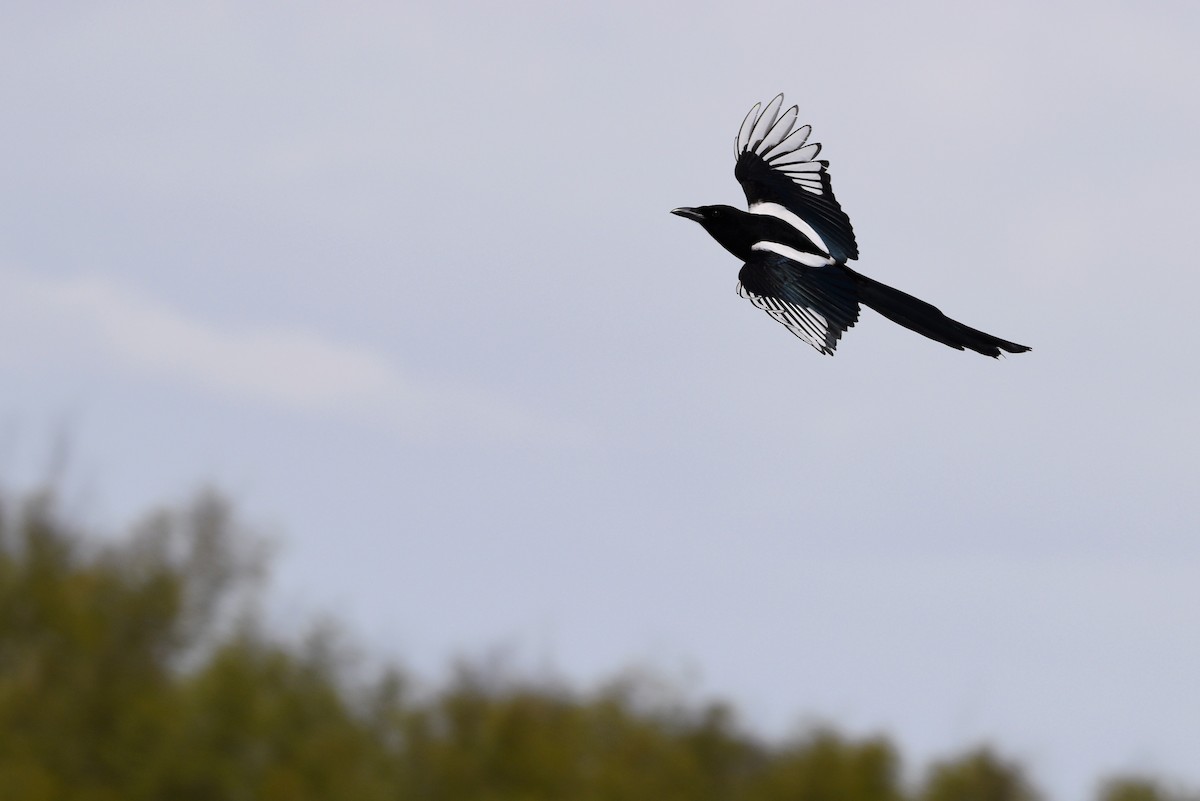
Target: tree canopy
x=134 y=669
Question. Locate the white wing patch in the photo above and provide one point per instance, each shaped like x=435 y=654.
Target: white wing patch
x=805 y=323
x=792 y=219
x=788 y=252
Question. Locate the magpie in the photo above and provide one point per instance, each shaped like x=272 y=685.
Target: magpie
x=795 y=240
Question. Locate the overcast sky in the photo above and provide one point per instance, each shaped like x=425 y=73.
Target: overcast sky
x=402 y=280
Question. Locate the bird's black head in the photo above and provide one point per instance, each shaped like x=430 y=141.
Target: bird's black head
x=709 y=215
x=735 y=229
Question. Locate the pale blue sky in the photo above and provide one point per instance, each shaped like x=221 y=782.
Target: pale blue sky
x=403 y=281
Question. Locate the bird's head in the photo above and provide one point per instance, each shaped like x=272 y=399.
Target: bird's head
x=708 y=215
x=733 y=228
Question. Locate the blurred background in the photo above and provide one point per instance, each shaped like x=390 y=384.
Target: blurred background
x=400 y=280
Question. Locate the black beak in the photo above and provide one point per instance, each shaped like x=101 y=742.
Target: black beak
x=691 y=214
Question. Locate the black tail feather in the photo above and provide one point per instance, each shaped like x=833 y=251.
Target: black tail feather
x=919 y=316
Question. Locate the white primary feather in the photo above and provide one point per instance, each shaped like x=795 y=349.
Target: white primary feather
x=762 y=125
x=805 y=323
x=770 y=135
x=793 y=140
x=743 y=137
x=780 y=130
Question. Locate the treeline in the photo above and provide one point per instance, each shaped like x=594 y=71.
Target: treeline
x=131 y=670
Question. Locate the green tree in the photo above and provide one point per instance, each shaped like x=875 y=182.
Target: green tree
x=825 y=767
x=122 y=678
x=135 y=669
x=1134 y=788
x=86 y=642
x=977 y=776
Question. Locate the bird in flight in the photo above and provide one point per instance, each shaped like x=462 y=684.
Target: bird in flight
x=795 y=241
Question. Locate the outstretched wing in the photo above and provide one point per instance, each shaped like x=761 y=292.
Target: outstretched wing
x=781 y=175
x=816 y=304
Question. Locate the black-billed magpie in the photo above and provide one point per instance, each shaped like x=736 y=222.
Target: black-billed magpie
x=795 y=241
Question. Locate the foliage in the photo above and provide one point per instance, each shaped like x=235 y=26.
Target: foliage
x=131 y=670
x=1133 y=788
x=977 y=776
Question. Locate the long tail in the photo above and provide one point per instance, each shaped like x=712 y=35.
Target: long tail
x=919 y=316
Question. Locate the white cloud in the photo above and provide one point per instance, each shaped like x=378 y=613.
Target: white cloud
x=89 y=320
